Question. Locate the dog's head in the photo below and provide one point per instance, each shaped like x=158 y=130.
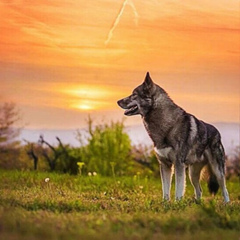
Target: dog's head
x=141 y=100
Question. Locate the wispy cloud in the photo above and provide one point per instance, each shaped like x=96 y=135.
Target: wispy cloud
x=117 y=19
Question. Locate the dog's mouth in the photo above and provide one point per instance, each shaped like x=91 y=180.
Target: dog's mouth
x=132 y=110
x=131 y=107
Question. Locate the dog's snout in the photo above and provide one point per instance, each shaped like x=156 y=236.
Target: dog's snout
x=123 y=103
x=119 y=102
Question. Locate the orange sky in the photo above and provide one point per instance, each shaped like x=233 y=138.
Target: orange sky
x=61 y=60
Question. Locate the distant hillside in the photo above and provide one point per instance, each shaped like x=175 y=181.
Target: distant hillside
x=67 y=136
x=230 y=135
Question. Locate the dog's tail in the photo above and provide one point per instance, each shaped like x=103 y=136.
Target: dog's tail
x=213 y=185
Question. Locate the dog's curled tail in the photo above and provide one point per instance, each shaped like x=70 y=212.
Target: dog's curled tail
x=213 y=185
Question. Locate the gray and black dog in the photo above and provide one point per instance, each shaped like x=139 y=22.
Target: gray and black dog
x=180 y=139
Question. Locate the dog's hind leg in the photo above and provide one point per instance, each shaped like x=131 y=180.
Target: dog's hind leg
x=221 y=180
x=166 y=177
x=194 y=175
x=217 y=164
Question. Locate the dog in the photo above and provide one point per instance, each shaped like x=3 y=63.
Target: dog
x=180 y=140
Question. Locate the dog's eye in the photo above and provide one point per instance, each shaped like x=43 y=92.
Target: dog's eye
x=134 y=95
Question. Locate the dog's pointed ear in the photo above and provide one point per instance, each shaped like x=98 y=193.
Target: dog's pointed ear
x=148 y=82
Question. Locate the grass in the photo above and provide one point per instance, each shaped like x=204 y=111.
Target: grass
x=78 y=207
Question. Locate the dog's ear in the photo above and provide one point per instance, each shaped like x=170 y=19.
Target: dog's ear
x=148 y=80
x=148 y=83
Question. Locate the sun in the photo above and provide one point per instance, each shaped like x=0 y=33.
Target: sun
x=84 y=106
x=86 y=98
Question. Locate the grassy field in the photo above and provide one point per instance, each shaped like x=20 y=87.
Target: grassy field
x=53 y=206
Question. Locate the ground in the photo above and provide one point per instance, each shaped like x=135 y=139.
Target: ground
x=37 y=205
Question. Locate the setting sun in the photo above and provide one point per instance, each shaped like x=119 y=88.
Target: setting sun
x=84 y=106
x=87 y=92
x=83 y=97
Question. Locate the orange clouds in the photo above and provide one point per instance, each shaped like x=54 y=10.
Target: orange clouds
x=104 y=48
x=49 y=33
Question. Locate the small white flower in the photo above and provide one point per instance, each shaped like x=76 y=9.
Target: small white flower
x=141 y=187
x=47 y=179
x=89 y=174
x=94 y=174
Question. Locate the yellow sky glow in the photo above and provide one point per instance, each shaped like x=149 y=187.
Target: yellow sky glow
x=87 y=97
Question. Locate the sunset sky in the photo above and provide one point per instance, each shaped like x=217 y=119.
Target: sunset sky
x=62 y=60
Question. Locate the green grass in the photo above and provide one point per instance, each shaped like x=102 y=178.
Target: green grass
x=78 y=207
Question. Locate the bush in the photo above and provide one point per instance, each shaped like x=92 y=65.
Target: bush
x=108 y=150
x=146 y=156
x=67 y=160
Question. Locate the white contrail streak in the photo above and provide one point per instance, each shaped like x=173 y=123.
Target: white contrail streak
x=117 y=20
x=134 y=11
x=110 y=34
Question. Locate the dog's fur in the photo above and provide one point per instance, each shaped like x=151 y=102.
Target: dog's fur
x=179 y=138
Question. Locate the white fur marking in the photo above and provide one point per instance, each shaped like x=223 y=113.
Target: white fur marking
x=180 y=186
x=193 y=127
x=163 y=152
x=166 y=176
x=180 y=178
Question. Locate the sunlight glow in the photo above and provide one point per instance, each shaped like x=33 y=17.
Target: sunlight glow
x=88 y=97
x=84 y=107
x=88 y=92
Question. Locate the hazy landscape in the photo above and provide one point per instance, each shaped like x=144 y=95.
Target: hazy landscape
x=230 y=135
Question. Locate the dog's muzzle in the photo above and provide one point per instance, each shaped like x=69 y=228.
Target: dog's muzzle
x=131 y=108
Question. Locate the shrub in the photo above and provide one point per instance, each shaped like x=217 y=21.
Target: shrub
x=107 y=151
x=146 y=156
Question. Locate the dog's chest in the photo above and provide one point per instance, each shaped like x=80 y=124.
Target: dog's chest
x=163 y=152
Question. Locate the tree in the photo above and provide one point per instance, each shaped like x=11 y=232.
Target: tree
x=61 y=158
x=31 y=152
x=9 y=152
x=9 y=116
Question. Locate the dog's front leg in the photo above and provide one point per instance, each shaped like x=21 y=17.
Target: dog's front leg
x=166 y=177
x=179 y=180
